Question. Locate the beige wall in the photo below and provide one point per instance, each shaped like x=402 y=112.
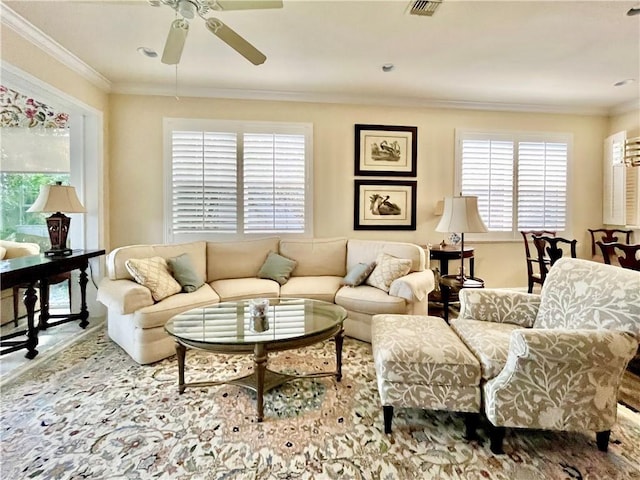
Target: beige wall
x=136 y=180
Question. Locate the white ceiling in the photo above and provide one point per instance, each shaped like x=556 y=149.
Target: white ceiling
x=553 y=55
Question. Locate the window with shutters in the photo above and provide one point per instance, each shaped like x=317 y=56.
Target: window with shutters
x=228 y=179
x=520 y=180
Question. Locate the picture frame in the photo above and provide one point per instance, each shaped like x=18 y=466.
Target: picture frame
x=384 y=205
x=386 y=150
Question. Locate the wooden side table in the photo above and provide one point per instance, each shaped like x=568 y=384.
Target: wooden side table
x=450 y=286
x=451 y=252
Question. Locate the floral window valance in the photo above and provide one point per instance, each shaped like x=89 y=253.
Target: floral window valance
x=17 y=110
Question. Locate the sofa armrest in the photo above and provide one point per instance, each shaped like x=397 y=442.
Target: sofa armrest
x=124 y=296
x=499 y=305
x=413 y=287
x=560 y=379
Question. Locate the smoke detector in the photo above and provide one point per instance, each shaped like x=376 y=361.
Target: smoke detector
x=425 y=8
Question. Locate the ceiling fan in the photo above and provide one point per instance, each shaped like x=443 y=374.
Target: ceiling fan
x=187 y=10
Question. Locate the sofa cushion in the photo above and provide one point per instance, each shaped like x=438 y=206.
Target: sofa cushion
x=185 y=273
x=158 y=314
x=369 y=300
x=238 y=288
x=358 y=274
x=316 y=288
x=366 y=251
x=583 y=294
x=489 y=342
x=388 y=269
x=154 y=274
x=240 y=259
x=18 y=249
x=116 y=269
x=317 y=257
x=404 y=351
x=276 y=267
x=3 y=252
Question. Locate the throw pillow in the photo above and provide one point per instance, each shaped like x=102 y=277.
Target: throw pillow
x=154 y=274
x=185 y=273
x=278 y=268
x=358 y=274
x=387 y=269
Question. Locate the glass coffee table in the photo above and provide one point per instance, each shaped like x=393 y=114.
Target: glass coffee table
x=229 y=328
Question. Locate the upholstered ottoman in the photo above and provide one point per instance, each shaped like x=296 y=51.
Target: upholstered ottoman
x=421 y=363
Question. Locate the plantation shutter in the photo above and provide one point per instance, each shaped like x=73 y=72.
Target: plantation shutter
x=204 y=185
x=274 y=183
x=520 y=180
x=632 y=196
x=542 y=185
x=487 y=172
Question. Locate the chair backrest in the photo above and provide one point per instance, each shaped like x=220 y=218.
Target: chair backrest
x=581 y=293
x=627 y=256
x=608 y=235
x=527 y=236
x=549 y=251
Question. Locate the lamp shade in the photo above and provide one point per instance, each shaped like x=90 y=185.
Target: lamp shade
x=461 y=215
x=57 y=198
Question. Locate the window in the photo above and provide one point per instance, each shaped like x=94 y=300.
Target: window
x=228 y=179
x=520 y=180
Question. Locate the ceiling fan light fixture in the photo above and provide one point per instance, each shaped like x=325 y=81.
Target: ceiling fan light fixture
x=187 y=9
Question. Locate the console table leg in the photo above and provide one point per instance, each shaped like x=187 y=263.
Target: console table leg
x=84 y=312
x=260 y=365
x=339 y=341
x=43 y=323
x=30 y=298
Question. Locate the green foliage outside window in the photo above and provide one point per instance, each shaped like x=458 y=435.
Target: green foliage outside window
x=18 y=191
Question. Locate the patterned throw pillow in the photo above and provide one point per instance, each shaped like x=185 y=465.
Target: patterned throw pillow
x=388 y=269
x=358 y=274
x=154 y=274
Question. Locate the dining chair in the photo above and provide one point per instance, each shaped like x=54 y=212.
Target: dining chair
x=550 y=250
x=627 y=256
x=533 y=272
x=607 y=235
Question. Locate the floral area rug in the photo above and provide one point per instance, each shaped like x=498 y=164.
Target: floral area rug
x=90 y=412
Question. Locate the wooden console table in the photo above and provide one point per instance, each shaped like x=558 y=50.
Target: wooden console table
x=33 y=271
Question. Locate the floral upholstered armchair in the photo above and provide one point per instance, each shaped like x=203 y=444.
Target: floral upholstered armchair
x=554 y=361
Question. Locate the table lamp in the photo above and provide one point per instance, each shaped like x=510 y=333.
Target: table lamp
x=57 y=198
x=460 y=215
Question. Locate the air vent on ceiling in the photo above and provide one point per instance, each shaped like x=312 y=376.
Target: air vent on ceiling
x=424 y=7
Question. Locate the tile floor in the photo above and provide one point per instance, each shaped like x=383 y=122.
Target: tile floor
x=49 y=341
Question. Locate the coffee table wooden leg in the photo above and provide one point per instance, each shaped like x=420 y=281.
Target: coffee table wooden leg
x=339 y=341
x=260 y=365
x=181 y=352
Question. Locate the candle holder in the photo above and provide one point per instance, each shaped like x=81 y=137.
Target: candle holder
x=258 y=321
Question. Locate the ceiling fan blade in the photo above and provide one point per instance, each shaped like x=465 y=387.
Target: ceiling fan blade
x=246 y=4
x=175 y=42
x=235 y=41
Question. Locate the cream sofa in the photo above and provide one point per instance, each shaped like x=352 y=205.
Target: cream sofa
x=230 y=269
x=8 y=250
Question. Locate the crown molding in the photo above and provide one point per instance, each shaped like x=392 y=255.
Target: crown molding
x=632 y=106
x=310 y=97
x=34 y=35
